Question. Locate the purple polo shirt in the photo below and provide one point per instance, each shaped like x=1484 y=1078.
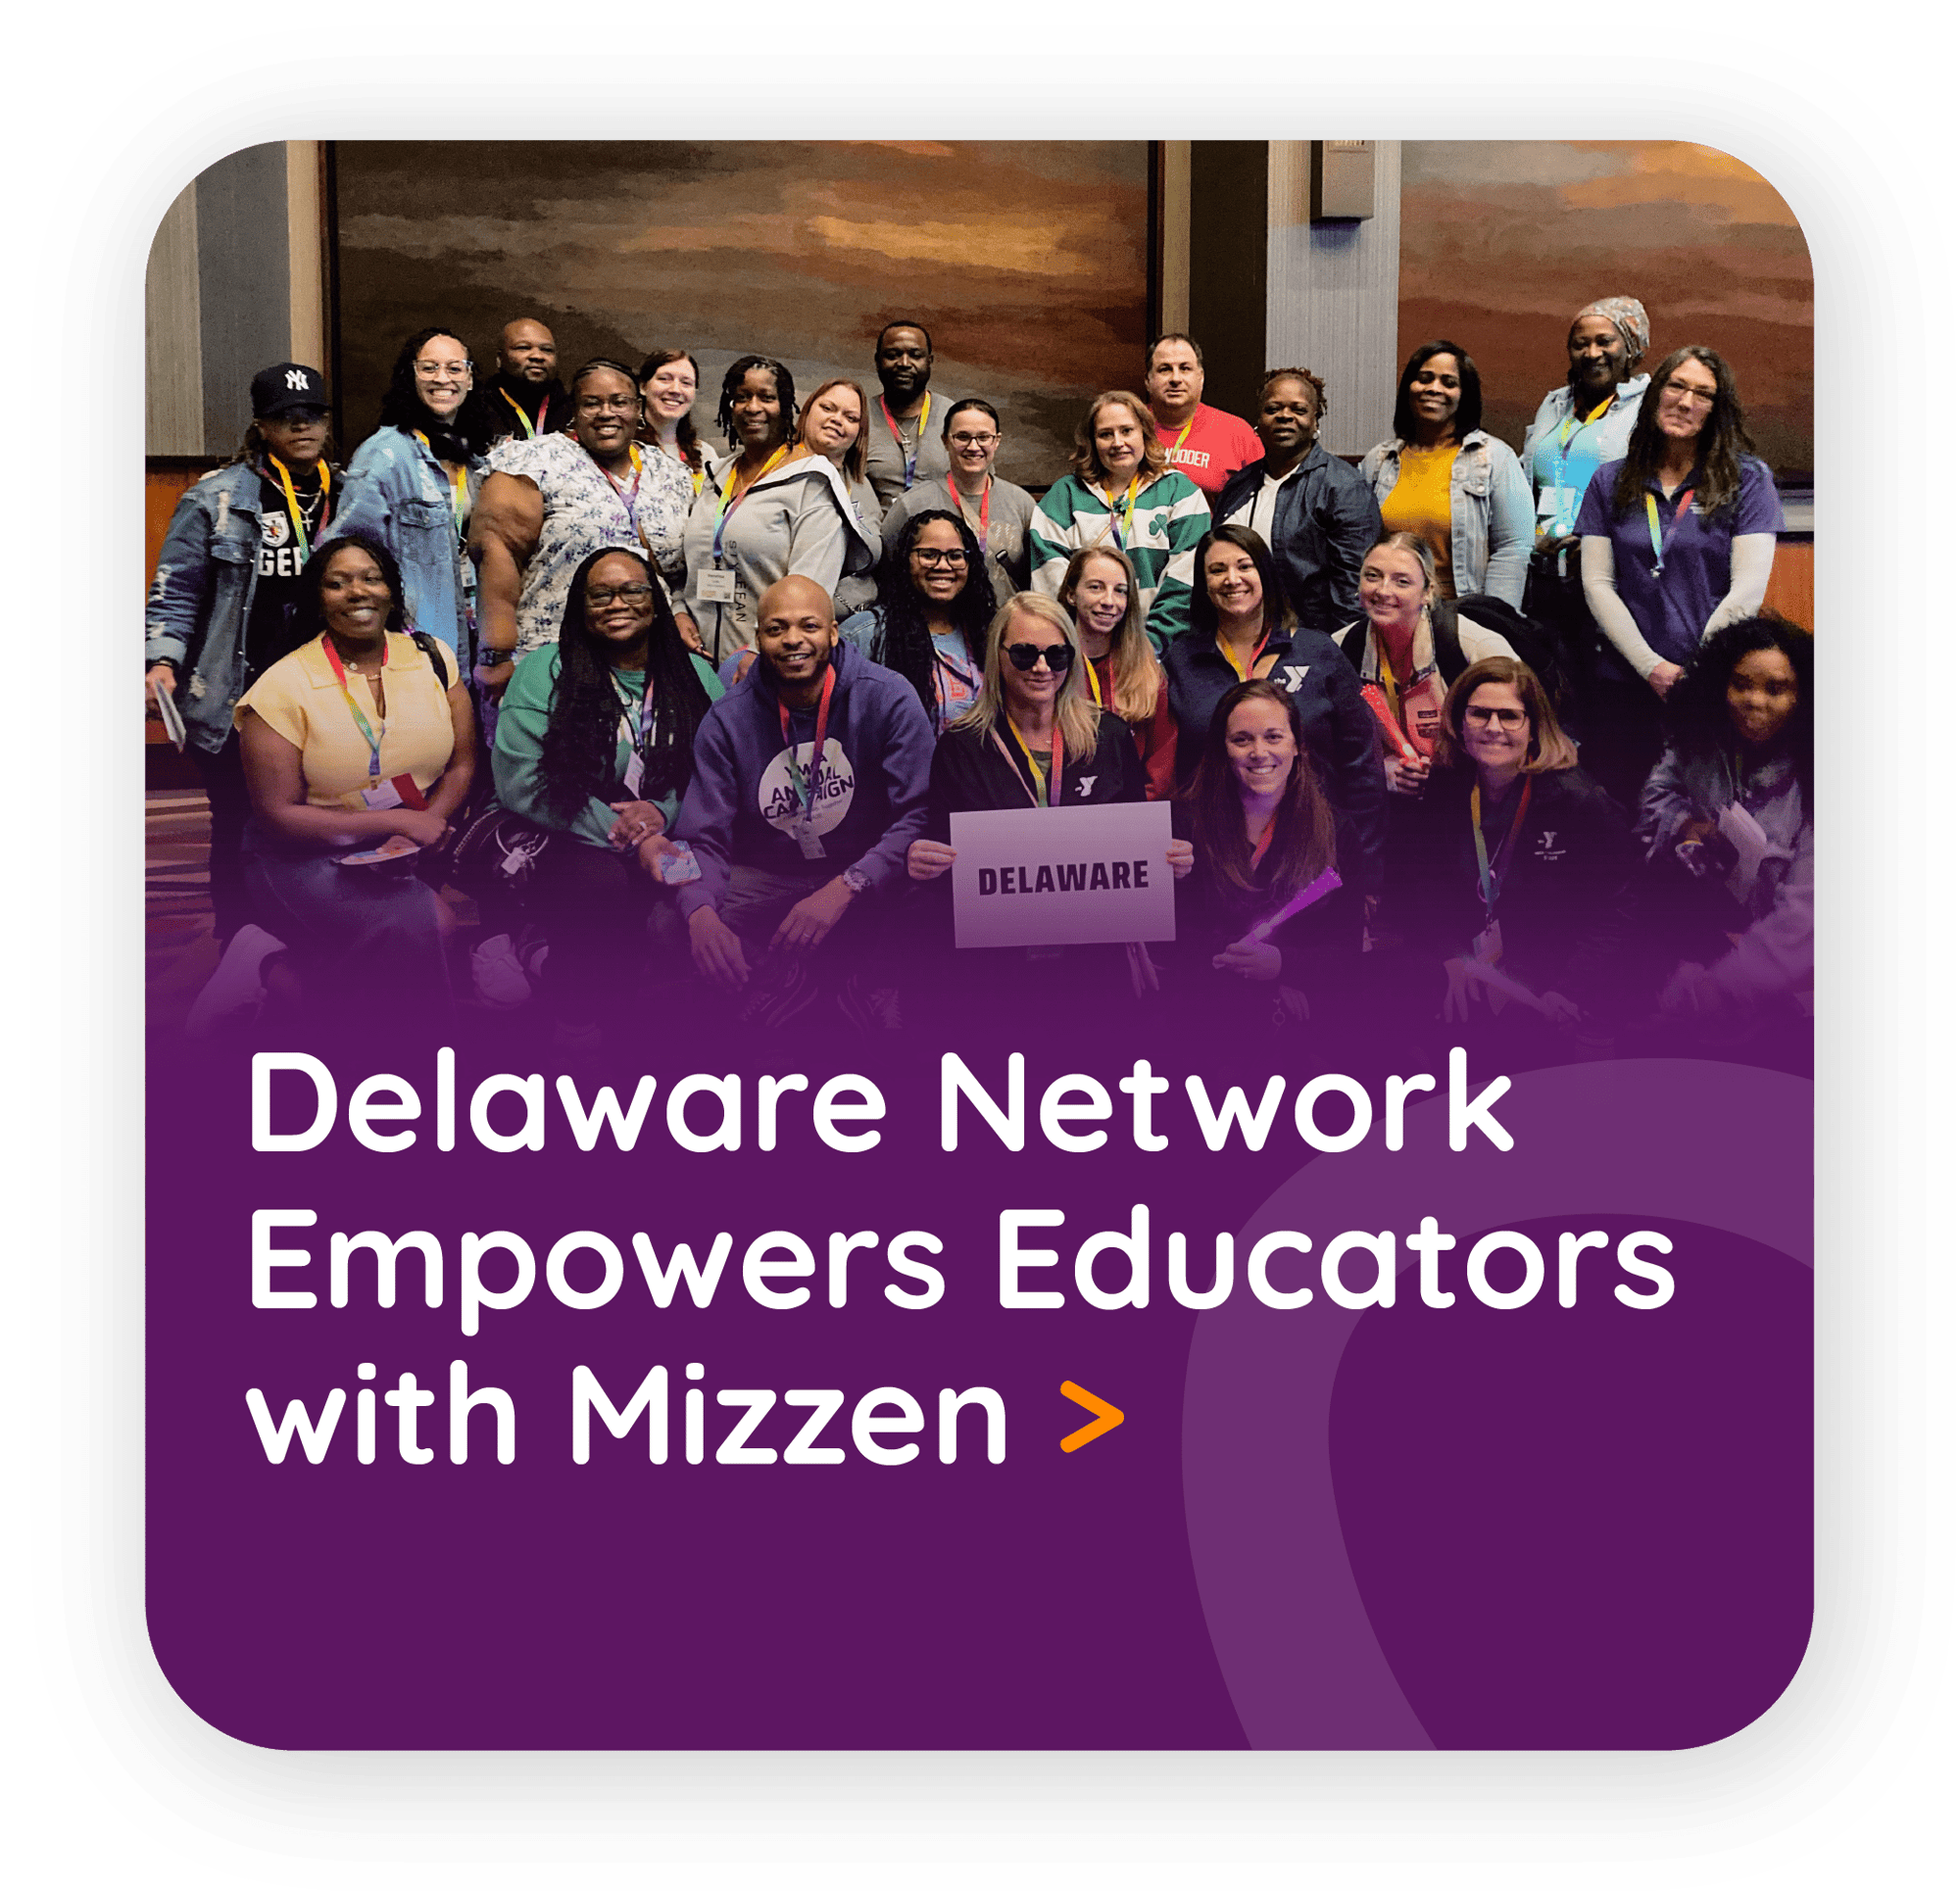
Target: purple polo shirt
x=1673 y=609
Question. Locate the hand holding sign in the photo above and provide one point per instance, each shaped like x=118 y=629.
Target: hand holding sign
x=1063 y=875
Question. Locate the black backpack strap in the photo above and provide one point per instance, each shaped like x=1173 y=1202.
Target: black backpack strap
x=1449 y=659
x=437 y=654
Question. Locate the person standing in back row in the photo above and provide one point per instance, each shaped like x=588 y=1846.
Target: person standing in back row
x=524 y=398
x=903 y=443
x=1203 y=442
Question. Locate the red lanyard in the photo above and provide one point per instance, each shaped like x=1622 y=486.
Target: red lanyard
x=806 y=787
x=1490 y=878
x=986 y=499
x=1265 y=839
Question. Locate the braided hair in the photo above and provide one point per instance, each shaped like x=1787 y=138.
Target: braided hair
x=731 y=385
x=902 y=642
x=582 y=734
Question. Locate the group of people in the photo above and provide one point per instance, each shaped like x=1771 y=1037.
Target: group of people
x=1515 y=717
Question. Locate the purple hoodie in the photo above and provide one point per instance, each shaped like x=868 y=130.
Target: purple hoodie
x=741 y=807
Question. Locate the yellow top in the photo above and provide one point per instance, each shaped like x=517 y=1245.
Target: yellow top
x=1419 y=503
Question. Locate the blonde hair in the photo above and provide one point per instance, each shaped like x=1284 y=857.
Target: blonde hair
x=1134 y=670
x=1073 y=709
x=1550 y=749
x=1085 y=460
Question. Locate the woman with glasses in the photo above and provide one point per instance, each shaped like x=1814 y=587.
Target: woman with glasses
x=594 y=743
x=930 y=622
x=770 y=511
x=411 y=483
x=995 y=511
x=832 y=424
x=1674 y=541
x=1123 y=493
x=1514 y=866
x=547 y=504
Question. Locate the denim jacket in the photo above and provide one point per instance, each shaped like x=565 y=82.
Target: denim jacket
x=201 y=598
x=398 y=494
x=1489 y=512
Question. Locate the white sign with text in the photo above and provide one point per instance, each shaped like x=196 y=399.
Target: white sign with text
x=1063 y=875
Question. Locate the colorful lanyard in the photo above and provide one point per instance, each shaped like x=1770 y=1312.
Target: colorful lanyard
x=293 y=501
x=635 y=741
x=986 y=499
x=531 y=432
x=1660 y=543
x=1034 y=774
x=1490 y=879
x=730 y=498
x=1225 y=651
x=361 y=721
x=1572 y=425
x=1122 y=529
x=459 y=486
x=1183 y=434
x=918 y=440
x=628 y=496
x=806 y=787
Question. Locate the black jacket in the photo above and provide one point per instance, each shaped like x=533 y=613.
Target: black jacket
x=969 y=774
x=1324 y=520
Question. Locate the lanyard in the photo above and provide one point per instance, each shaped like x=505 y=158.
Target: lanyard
x=1660 y=543
x=1265 y=839
x=459 y=485
x=293 y=501
x=635 y=739
x=1183 y=434
x=1390 y=687
x=361 y=721
x=986 y=499
x=628 y=496
x=516 y=407
x=1489 y=878
x=1574 y=422
x=1034 y=775
x=806 y=789
x=1096 y=682
x=1122 y=529
x=1225 y=651
x=725 y=510
x=918 y=439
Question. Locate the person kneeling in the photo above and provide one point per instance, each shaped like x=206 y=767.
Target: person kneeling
x=809 y=784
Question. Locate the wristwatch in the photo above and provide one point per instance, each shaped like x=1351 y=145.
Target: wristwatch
x=857 y=881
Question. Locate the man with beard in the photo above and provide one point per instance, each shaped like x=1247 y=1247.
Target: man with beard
x=808 y=787
x=901 y=439
x=1314 y=510
x=1205 y=444
x=524 y=398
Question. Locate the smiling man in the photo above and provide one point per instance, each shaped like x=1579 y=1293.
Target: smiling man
x=1314 y=510
x=1205 y=444
x=809 y=784
x=901 y=437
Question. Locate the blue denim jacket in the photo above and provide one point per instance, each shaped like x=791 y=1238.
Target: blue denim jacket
x=201 y=598
x=397 y=494
x=1490 y=515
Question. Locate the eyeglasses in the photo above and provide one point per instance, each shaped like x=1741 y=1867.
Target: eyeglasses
x=608 y=402
x=1694 y=396
x=973 y=439
x=1024 y=656
x=933 y=558
x=607 y=594
x=1504 y=719
x=442 y=370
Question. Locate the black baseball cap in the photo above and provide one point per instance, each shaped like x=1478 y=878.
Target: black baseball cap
x=287 y=385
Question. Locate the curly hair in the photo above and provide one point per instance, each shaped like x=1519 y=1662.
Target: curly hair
x=1697 y=707
x=1307 y=377
x=1469 y=414
x=1303 y=842
x=403 y=407
x=581 y=734
x=1719 y=450
x=731 y=385
x=1087 y=462
x=308 y=620
x=685 y=437
x=902 y=642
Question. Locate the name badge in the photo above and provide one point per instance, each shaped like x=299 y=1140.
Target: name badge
x=717 y=587
x=811 y=843
x=636 y=770
x=382 y=795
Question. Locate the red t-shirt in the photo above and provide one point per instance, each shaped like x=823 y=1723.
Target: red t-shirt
x=1216 y=447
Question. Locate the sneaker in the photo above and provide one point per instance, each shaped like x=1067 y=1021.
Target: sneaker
x=495 y=975
x=781 y=989
x=233 y=993
x=868 y=1007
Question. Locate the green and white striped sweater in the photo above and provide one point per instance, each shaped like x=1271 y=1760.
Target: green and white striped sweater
x=1164 y=527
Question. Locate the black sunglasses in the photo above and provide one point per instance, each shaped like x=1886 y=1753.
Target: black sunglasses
x=1024 y=656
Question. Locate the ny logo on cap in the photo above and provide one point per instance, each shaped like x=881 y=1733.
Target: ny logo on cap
x=296 y=377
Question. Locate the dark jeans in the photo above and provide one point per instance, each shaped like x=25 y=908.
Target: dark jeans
x=602 y=912
x=223 y=778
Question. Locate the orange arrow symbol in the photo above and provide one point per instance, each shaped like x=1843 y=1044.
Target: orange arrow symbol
x=1106 y=1417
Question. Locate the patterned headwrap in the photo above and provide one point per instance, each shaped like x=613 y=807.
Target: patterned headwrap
x=1628 y=316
